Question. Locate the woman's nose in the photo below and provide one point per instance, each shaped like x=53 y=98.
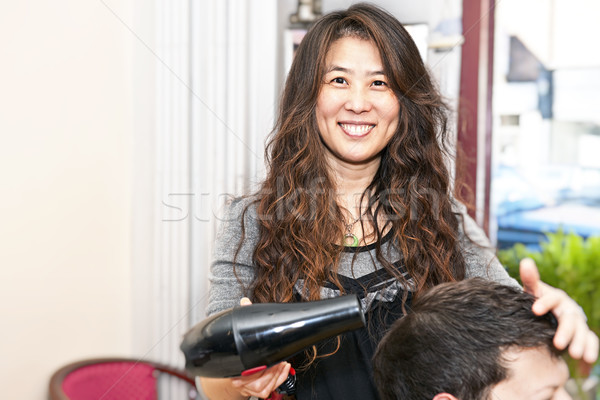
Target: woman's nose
x=358 y=100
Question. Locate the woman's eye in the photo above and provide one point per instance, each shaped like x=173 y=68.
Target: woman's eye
x=379 y=83
x=341 y=81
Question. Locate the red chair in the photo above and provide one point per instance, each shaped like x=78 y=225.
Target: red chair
x=119 y=379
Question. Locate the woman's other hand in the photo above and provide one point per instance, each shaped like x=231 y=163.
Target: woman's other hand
x=261 y=384
x=572 y=330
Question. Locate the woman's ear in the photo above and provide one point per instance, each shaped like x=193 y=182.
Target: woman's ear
x=444 y=396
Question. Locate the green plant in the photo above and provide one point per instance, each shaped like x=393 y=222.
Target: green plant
x=568 y=262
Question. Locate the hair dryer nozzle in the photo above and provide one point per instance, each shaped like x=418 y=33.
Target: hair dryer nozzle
x=242 y=338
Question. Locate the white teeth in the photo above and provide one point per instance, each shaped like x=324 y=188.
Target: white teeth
x=355 y=129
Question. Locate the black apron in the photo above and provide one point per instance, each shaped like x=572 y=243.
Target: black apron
x=348 y=373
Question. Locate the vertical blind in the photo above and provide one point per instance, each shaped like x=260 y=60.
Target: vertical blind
x=215 y=89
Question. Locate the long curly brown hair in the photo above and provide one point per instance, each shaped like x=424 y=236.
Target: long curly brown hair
x=299 y=217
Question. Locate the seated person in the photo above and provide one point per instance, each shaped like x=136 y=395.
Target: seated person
x=471 y=340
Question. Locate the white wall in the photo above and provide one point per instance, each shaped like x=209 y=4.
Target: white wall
x=65 y=191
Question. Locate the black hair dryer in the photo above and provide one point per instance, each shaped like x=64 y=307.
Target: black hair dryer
x=246 y=339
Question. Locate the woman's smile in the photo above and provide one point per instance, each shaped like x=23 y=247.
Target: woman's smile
x=356 y=129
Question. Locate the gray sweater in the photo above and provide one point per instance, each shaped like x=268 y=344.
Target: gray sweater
x=226 y=291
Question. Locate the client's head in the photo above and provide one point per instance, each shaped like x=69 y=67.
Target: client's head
x=471 y=340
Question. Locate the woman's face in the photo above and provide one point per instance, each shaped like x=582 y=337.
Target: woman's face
x=357 y=112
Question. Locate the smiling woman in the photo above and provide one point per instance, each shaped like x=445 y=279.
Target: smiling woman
x=357 y=200
x=357 y=112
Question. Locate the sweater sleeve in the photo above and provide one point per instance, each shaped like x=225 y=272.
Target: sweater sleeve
x=480 y=256
x=231 y=275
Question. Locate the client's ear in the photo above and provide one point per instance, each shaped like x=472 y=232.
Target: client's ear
x=444 y=396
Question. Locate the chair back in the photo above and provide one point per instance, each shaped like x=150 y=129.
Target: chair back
x=117 y=379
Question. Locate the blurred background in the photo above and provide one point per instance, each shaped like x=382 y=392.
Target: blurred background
x=126 y=124
x=546 y=167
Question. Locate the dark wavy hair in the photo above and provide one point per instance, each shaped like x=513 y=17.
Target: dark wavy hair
x=299 y=218
x=439 y=347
